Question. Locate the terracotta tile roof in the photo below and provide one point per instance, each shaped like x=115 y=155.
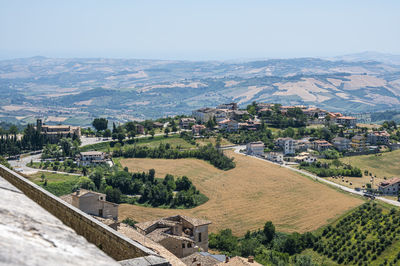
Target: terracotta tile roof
x=389 y=182
x=147 y=242
x=196 y=258
x=195 y=221
x=347 y=117
x=239 y=261
x=170 y=221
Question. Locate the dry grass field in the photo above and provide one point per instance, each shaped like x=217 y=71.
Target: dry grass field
x=381 y=165
x=247 y=196
x=206 y=141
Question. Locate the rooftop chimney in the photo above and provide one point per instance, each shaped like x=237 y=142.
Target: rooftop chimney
x=194 y=259
x=251 y=259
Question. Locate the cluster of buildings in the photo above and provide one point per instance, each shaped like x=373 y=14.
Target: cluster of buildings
x=229 y=118
x=56 y=132
x=182 y=235
x=226 y=116
x=314 y=115
x=300 y=147
x=185 y=237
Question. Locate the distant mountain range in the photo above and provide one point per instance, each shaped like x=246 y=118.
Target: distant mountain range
x=371 y=56
x=76 y=90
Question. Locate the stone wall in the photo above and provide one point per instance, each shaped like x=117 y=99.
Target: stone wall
x=110 y=241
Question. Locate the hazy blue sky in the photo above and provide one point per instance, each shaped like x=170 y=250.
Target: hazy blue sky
x=172 y=29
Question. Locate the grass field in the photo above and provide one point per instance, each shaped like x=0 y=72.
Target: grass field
x=173 y=140
x=206 y=141
x=247 y=196
x=58 y=184
x=385 y=165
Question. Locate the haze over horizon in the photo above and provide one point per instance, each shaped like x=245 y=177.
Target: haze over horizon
x=182 y=30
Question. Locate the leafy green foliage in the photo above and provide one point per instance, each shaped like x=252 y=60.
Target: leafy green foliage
x=153 y=191
x=129 y=222
x=293 y=118
x=268 y=246
x=326 y=169
x=360 y=237
x=31 y=140
x=100 y=124
x=207 y=153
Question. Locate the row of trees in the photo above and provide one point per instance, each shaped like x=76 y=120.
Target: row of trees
x=361 y=237
x=129 y=129
x=327 y=169
x=11 y=144
x=207 y=153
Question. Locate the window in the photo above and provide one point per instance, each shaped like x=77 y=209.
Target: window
x=101 y=212
x=183 y=245
x=199 y=237
x=101 y=198
x=189 y=245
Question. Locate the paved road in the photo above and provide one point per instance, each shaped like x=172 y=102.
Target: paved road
x=344 y=188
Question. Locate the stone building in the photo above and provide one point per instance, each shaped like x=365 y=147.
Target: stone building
x=91 y=158
x=378 y=138
x=347 y=121
x=322 y=145
x=181 y=235
x=255 y=148
x=342 y=144
x=286 y=144
x=57 y=132
x=186 y=122
x=390 y=187
x=197 y=129
x=204 y=114
x=228 y=125
x=93 y=203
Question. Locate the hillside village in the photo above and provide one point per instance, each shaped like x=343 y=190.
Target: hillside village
x=344 y=137
x=300 y=137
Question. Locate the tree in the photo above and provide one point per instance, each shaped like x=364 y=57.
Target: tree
x=183 y=183
x=84 y=170
x=121 y=137
x=223 y=241
x=86 y=183
x=336 y=163
x=166 y=131
x=130 y=126
x=269 y=231
x=100 y=124
x=96 y=177
x=152 y=133
x=107 y=133
x=4 y=162
x=66 y=146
